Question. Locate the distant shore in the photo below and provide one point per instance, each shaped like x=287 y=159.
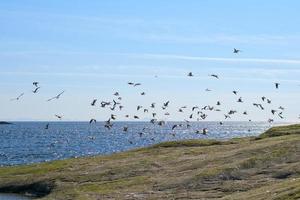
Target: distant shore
x=3 y=123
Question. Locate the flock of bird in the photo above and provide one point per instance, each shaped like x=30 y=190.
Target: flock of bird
x=196 y=112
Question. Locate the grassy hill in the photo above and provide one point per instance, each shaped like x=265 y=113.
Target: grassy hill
x=264 y=167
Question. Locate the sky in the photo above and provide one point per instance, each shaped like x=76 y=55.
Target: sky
x=91 y=49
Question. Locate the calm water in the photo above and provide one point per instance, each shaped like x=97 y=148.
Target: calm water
x=29 y=142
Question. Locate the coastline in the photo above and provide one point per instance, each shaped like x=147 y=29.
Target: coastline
x=263 y=167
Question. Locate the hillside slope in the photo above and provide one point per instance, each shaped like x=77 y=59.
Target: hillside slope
x=266 y=167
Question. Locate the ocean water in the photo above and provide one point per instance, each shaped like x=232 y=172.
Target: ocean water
x=30 y=142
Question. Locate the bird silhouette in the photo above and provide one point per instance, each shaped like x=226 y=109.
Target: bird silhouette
x=18 y=97
x=56 y=97
x=35 y=84
x=47 y=126
x=94 y=102
x=215 y=76
x=59 y=116
x=92 y=121
x=236 y=50
x=36 y=89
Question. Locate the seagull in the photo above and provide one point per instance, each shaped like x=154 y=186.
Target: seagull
x=190 y=74
x=56 y=97
x=104 y=103
x=277 y=85
x=195 y=107
x=231 y=112
x=47 y=126
x=208 y=90
x=227 y=116
x=218 y=103
x=137 y=84
x=94 y=102
x=58 y=116
x=35 y=84
x=214 y=75
x=161 y=123
x=143 y=93
x=174 y=126
x=234 y=92
x=152 y=121
x=92 y=120
x=113 y=117
x=36 y=89
x=263 y=98
x=17 y=97
x=240 y=100
x=116 y=94
x=281 y=108
x=152 y=105
x=258 y=105
x=166 y=104
x=236 y=50
x=125 y=128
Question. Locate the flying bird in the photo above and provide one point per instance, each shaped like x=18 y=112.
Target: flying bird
x=56 y=97
x=59 y=116
x=36 y=89
x=18 y=97
x=236 y=50
x=92 y=120
x=47 y=126
x=277 y=85
x=94 y=102
x=215 y=76
x=35 y=84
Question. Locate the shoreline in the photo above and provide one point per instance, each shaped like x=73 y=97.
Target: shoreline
x=233 y=169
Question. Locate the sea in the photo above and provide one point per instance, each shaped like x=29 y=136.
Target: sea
x=29 y=142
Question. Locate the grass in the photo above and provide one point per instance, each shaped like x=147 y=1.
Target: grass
x=265 y=167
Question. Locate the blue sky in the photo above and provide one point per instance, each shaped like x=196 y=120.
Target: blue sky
x=93 y=48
